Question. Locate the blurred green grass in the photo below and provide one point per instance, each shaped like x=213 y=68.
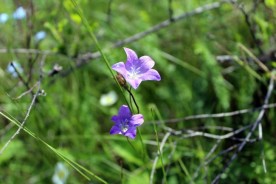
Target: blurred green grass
x=71 y=119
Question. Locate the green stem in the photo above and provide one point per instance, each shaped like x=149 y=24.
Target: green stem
x=159 y=150
x=142 y=144
x=131 y=145
x=95 y=40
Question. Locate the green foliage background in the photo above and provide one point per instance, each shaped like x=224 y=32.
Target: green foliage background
x=71 y=119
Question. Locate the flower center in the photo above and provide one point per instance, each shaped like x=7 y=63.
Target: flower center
x=124 y=125
x=61 y=175
x=134 y=72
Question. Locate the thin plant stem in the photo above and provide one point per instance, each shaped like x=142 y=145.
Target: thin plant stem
x=156 y=158
x=130 y=98
x=130 y=93
x=142 y=144
x=73 y=164
x=95 y=40
x=158 y=147
x=131 y=144
x=84 y=58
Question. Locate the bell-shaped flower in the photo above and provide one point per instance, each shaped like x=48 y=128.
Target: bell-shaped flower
x=125 y=123
x=136 y=70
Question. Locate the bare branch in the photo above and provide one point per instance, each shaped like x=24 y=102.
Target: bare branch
x=28 y=110
x=250 y=26
x=186 y=133
x=218 y=115
x=26 y=92
x=27 y=51
x=83 y=59
x=20 y=77
x=255 y=125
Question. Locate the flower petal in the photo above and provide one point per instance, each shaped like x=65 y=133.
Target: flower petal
x=136 y=120
x=134 y=82
x=124 y=112
x=131 y=132
x=132 y=61
x=120 y=67
x=146 y=63
x=115 y=130
x=151 y=75
x=131 y=55
x=115 y=119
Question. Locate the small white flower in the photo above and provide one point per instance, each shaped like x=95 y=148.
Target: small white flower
x=108 y=99
x=4 y=17
x=11 y=70
x=61 y=174
x=20 y=13
x=40 y=35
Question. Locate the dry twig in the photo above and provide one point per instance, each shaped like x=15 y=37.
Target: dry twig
x=253 y=128
x=28 y=110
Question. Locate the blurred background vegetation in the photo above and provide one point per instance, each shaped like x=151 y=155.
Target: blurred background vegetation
x=196 y=79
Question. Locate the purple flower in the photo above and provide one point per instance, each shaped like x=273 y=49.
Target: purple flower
x=125 y=123
x=136 y=70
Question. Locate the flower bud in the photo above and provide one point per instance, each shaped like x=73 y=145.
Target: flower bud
x=121 y=80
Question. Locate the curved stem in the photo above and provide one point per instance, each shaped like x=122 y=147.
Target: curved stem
x=137 y=107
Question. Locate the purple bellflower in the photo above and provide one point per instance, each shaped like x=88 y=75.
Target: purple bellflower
x=125 y=123
x=136 y=70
